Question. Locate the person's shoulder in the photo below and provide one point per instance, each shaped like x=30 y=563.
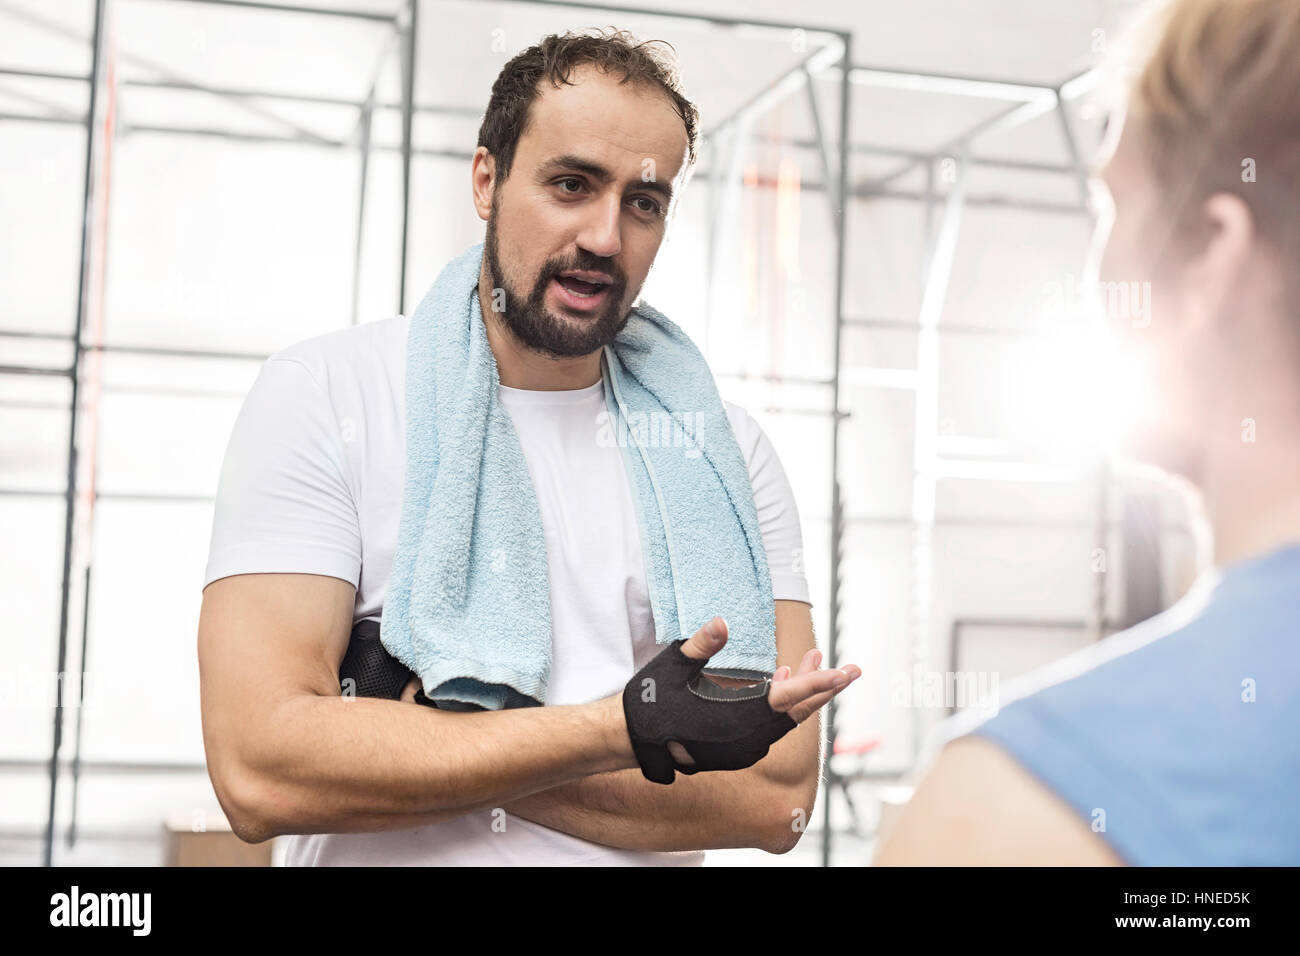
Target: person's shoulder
x=369 y=352
x=1126 y=670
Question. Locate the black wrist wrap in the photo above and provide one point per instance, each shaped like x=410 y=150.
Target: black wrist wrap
x=721 y=728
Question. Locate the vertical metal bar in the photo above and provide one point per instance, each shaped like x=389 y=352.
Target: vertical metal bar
x=408 y=112
x=367 y=117
x=1072 y=147
x=70 y=507
x=927 y=247
x=841 y=220
x=823 y=153
x=1141 y=547
x=735 y=137
x=710 y=235
x=924 y=451
x=81 y=708
x=1101 y=540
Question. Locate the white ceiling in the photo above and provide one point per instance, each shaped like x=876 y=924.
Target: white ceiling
x=463 y=44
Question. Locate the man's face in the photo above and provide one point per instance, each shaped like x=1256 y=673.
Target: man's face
x=1170 y=355
x=589 y=192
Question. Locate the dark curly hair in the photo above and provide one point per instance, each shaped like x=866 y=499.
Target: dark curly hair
x=554 y=59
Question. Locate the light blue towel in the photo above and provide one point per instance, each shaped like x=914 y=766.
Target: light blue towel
x=468 y=602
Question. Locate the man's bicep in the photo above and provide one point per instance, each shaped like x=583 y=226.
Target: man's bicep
x=268 y=635
x=263 y=639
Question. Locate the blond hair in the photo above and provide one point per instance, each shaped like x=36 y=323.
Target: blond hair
x=1215 y=102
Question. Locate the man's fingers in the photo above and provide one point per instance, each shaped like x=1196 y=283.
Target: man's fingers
x=813 y=688
x=797 y=693
x=806 y=708
x=408 y=692
x=812 y=659
x=707 y=641
x=809 y=663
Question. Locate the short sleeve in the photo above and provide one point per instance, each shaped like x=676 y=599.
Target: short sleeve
x=778 y=514
x=283 y=502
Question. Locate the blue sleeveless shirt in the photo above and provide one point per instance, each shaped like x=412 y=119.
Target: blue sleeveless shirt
x=1178 y=740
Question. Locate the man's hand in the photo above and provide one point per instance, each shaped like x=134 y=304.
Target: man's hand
x=799 y=695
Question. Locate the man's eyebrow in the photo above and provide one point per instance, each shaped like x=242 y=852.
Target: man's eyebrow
x=599 y=173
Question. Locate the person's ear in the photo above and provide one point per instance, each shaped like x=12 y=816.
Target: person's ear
x=482 y=177
x=1219 y=270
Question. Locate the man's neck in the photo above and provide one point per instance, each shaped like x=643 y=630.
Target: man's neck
x=520 y=367
x=1252 y=497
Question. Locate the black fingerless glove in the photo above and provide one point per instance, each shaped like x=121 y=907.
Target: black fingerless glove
x=721 y=728
x=368 y=670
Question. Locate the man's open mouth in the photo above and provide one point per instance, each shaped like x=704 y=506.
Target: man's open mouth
x=580 y=286
x=582 y=290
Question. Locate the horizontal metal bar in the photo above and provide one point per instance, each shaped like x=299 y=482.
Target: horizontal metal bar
x=920 y=156
x=33 y=334
x=1003 y=202
x=33 y=118
x=818 y=412
x=714 y=19
x=175 y=391
x=949 y=328
x=773 y=379
x=236 y=92
x=1060 y=623
x=137 y=496
x=169 y=352
x=948 y=84
x=251 y=137
x=293 y=8
x=43 y=74
x=20 y=765
x=35 y=406
x=128 y=349
x=36 y=370
x=153 y=835
x=993 y=521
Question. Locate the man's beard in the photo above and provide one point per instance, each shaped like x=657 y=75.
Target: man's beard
x=528 y=318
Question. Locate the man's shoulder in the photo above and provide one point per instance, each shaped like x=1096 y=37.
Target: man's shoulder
x=1127 y=671
x=367 y=353
x=742 y=426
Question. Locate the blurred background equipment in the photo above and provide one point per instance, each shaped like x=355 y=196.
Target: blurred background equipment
x=884 y=264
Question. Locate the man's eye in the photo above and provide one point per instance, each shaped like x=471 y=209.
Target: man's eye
x=654 y=206
x=570 y=180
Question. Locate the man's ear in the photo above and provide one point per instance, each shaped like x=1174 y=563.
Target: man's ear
x=1218 y=271
x=483 y=181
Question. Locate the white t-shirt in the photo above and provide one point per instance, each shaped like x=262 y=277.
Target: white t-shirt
x=312 y=483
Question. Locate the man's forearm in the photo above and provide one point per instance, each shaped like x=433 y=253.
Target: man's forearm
x=763 y=806
x=348 y=765
x=707 y=811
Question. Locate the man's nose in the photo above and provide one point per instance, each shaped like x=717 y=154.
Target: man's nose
x=601 y=228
